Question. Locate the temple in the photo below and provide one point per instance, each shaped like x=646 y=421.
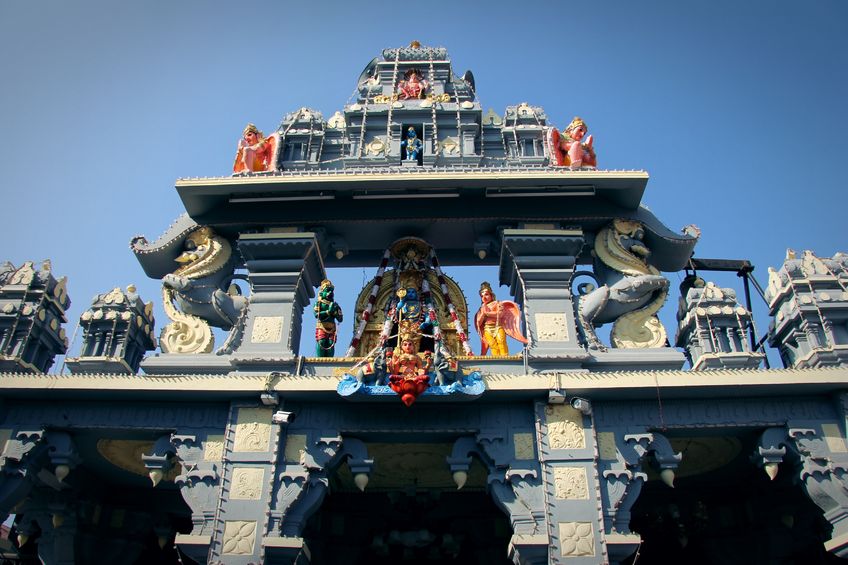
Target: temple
x=580 y=431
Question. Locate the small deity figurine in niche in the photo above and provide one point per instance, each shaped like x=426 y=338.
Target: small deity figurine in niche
x=412 y=86
x=411 y=146
x=495 y=320
x=573 y=148
x=327 y=313
x=255 y=151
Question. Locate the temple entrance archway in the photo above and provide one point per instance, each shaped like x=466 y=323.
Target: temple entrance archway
x=725 y=510
x=411 y=512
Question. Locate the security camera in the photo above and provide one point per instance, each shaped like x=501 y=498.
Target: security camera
x=282 y=417
x=581 y=404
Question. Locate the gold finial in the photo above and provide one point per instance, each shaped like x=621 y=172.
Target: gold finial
x=575 y=123
x=131 y=288
x=415 y=44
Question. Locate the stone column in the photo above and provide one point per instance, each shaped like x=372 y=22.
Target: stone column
x=284 y=269
x=538 y=265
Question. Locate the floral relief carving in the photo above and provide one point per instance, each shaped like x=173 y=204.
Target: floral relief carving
x=239 y=537
x=551 y=327
x=247 y=483
x=565 y=427
x=577 y=539
x=253 y=430
x=267 y=329
x=570 y=483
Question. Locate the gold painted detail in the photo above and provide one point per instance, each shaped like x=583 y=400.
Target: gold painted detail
x=551 y=326
x=267 y=329
x=577 y=539
x=126 y=454
x=239 y=537
x=570 y=483
x=247 y=483
x=376 y=147
x=565 y=427
x=295 y=445
x=523 y=445
x=253 y=429
x=213 y=448
x=606 y=446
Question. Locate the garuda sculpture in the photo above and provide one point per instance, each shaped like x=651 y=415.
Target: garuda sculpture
x=633 y=291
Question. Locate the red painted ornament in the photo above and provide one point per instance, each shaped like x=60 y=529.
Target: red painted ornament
x=409 y=388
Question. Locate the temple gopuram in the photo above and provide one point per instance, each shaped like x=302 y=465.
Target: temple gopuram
x=580 y=431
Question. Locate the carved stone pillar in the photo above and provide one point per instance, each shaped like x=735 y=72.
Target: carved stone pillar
x=199 y=484
x=247 y=478
x=284 y=269
x=571 y=479
x=822 y=466
x=515 y=484
x=538 y=264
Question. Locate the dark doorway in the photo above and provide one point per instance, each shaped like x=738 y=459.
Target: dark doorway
x=423 y=527
x=725 y=510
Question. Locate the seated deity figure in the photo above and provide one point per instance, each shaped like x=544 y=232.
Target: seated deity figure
x=327 y=313
x=573 y=148
x=411 y=146
x=412 y=86
x=255 y=151
x=408 y=372
x=495 y=320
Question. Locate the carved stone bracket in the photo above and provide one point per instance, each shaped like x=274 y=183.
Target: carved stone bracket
x=161 y=460
x=657 y=446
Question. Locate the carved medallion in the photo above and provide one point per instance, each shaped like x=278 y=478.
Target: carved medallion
x=239 y=537
x=247 y=483
x=570 y=483
x=267 y=329
x=565 y=427
x=551 y=327
x=253 y=430
x=577 y=539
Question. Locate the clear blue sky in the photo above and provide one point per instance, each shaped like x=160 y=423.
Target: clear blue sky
x=736 y=109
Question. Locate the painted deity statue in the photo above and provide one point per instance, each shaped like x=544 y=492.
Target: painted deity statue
x=573 y=148
x=408 y=372
x=412 y=86
x=327 y=313
x=495 y=320
x=411 y=146
x=255 y=151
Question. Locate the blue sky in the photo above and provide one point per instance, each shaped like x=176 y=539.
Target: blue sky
x=736 y=109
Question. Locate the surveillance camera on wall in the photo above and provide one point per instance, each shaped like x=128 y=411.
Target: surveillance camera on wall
x=581 y=404
x=283 y=417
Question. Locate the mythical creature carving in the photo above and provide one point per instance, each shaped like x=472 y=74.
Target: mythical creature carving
x=197 y=288
x=632 y=293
